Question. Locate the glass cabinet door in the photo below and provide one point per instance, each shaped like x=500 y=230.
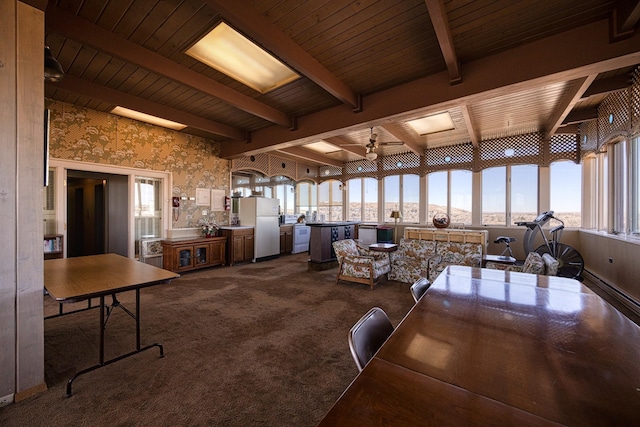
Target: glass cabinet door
x=201 y=255
x=184 y=258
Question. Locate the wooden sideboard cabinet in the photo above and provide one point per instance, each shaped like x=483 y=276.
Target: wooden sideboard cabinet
x=286 y=239
x=53 y=246
x=240 y=246
x=184 y=254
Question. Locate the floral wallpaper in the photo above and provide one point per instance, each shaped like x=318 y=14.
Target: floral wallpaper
x=92 y=136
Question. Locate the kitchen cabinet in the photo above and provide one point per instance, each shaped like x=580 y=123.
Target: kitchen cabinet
x=190 y=253
x=286 y=239
x=240 y=246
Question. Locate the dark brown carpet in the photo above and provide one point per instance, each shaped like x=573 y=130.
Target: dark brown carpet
x=261 y=344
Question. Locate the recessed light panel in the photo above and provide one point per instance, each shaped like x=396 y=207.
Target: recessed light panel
x=432 y=124
x=143 y=117
x=231 y=53
x=322 y=147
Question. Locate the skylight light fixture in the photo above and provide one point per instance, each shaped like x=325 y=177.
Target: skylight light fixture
x=432 y=124
x=231 y=53
x=137 y=115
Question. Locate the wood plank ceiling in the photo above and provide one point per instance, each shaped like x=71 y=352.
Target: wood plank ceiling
x=499 y=67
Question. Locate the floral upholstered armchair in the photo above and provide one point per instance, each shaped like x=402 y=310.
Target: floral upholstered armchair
x=411 y=261
x=356 y=264
x=452 y=253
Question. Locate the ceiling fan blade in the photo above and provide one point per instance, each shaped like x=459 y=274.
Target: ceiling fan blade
x=391 y=143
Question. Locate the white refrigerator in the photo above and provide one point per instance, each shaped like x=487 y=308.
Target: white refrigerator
x=262 y=214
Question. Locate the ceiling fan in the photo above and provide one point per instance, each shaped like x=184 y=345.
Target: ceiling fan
x=374 y=144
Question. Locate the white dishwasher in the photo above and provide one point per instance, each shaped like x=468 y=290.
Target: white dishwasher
x=301 y=234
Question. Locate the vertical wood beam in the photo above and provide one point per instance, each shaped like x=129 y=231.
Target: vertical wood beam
x=8 y=166
x=28 y=164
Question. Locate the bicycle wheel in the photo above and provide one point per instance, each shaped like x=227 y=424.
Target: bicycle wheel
x=570 y=262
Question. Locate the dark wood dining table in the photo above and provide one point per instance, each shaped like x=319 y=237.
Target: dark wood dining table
x=69 y=280
x=490 y=347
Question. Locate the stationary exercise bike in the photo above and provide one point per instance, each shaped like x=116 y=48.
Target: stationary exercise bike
x=570 y=262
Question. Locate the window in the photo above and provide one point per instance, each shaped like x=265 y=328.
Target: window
x=618 y=163
x=460 y=205
x=634 y=174
x=494 y=196
x=355 y=203
x=603 y=191
x=450 y=192
x=370 y=200
x=285 y=194
x=307 y=199
x=391 y=196
x=362 y=194
x=402 y=193
x=524 y=192
x=147 y=209
x=410 y=199
x=565 y=192
x=329 y=201
x=436 y=194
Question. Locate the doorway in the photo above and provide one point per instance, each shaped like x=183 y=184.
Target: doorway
x=97 y=213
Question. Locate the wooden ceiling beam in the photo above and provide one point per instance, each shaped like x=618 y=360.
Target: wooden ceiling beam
x=471 y=128
x=605 y=86
x=579 y=116
x=311 y=156
x=566 y=104
x=625 y=17
x=518 y=69
x=84 y=87
x=242 y=15
x=440 y=23
x=68 y=25
x=411 y=141
x=343 y=144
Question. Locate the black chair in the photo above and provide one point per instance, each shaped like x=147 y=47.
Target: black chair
x=419 y=288
x=368 y=334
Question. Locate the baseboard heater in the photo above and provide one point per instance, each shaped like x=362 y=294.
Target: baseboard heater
x=616 y=293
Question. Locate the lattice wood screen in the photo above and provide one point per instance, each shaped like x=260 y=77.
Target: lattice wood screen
x=589 y=137
x=614 y=117
x=403 y=163
x=525 y=149
x=564 y=146
x=272 y=165
x=451 y=157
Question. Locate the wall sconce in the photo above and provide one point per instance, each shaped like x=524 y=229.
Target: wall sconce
x=396 y=215
x=342 y=187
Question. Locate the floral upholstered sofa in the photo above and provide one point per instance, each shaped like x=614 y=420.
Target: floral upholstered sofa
x=534 y=263
x=452 y=253
x=411 y=261
x=360 y=265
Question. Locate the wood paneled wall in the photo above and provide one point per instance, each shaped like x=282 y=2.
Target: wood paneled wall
x=623 y=272
x=21 y=187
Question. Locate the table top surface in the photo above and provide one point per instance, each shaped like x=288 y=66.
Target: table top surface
x=79 y=278
x=383 y=247
x=499 y=258
x=543 y=346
